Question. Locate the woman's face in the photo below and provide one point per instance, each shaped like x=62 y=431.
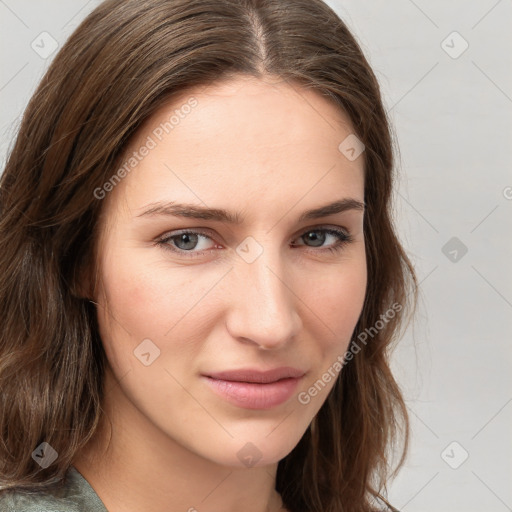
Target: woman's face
x=210 y=263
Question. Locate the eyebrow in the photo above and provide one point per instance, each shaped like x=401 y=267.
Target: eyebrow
x=217 y=214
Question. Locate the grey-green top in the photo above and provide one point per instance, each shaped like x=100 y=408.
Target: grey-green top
x=76 y=495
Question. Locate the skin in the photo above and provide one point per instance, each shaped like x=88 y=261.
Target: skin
x=268 y=150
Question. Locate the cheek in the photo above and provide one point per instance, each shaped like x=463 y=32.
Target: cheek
x=335 y=304
x=149 y=301
x=336 y=300
x=137 y=301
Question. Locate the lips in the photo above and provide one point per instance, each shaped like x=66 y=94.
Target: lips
x=257 y=376
x=255 y=389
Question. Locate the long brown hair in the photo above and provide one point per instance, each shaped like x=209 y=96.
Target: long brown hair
x=124 y=61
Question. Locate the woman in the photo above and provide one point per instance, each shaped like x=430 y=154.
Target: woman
x=200 y=274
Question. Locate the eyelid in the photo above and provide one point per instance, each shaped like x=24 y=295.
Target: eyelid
x=326 y=227
x=210 y=233
x=176 y=232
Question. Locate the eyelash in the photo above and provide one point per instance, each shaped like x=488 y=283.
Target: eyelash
x=343 y=239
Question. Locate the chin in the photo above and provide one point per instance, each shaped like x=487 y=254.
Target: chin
x=264 y=449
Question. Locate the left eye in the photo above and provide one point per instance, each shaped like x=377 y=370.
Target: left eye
x=195 y=242
x=312 y=236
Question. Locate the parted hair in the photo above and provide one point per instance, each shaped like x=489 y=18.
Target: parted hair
x=123 y=62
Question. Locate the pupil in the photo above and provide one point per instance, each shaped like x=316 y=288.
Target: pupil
x=312 y=236
x=189 y=239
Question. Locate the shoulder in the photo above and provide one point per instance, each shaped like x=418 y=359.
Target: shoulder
x=74 y=494
x=14 y=500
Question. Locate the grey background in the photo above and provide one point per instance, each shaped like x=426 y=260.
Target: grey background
x=451 y=111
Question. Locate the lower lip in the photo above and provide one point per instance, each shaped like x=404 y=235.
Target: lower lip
x=252 y=395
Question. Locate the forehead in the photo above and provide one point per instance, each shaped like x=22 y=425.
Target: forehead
x=244 y=104
x=257 y=138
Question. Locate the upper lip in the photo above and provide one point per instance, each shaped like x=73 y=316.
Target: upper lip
x=261 y=377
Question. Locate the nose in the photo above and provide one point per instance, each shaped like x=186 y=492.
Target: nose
x=263 y=306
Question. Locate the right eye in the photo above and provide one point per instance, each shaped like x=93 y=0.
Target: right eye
x=185 y=243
